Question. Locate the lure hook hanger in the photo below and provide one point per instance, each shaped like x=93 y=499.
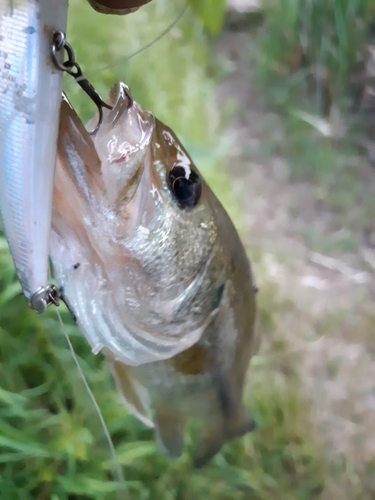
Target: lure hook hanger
x=48 y=296
x=71 y=67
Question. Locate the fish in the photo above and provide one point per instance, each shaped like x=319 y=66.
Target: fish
x=30 y=96
x=154 y=271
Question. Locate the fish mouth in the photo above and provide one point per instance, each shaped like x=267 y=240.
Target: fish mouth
x=122 y=110
x=121 y=143
x=120 y=100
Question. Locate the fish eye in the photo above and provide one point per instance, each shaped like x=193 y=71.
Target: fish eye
x=185 y=185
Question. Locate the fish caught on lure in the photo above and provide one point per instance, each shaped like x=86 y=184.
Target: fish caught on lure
x=155 y=273
x=30 y=96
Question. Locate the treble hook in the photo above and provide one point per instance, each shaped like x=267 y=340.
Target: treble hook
x=88 y=88
x=71 y=67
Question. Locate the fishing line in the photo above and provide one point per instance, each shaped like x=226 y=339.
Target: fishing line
x=145 y=47
x=117 y=466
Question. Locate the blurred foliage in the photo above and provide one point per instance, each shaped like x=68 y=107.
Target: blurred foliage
x=169 y=77
x=311 y=49
x=312 y=66
x=51 y=443
x=211 y=12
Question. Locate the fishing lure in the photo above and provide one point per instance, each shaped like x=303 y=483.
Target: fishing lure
x=30 y=95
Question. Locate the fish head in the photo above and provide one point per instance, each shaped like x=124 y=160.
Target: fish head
x=148 y=232
x=164 y=221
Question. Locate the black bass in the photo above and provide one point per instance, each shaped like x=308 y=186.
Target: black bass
x=155 y=273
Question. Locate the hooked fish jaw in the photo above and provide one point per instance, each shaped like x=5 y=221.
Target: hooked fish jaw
x=121 y=144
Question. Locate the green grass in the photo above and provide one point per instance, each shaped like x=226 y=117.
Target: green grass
x=313 y=51
x=51 y=442
x=309 y=68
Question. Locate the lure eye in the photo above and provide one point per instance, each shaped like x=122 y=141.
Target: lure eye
x=186 y=188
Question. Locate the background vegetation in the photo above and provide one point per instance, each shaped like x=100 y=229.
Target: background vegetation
x=283 y=157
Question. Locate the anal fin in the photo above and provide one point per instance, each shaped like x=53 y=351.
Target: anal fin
x=170 y=430
x=211 y=440
x=134 y=395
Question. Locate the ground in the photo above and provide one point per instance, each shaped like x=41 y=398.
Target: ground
x=315 y=270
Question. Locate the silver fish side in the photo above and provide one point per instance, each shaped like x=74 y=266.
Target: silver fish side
x=30 y=96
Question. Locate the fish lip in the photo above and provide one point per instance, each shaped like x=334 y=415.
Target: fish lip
x=123 y=103
x=121 y=144
x=122 y=97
